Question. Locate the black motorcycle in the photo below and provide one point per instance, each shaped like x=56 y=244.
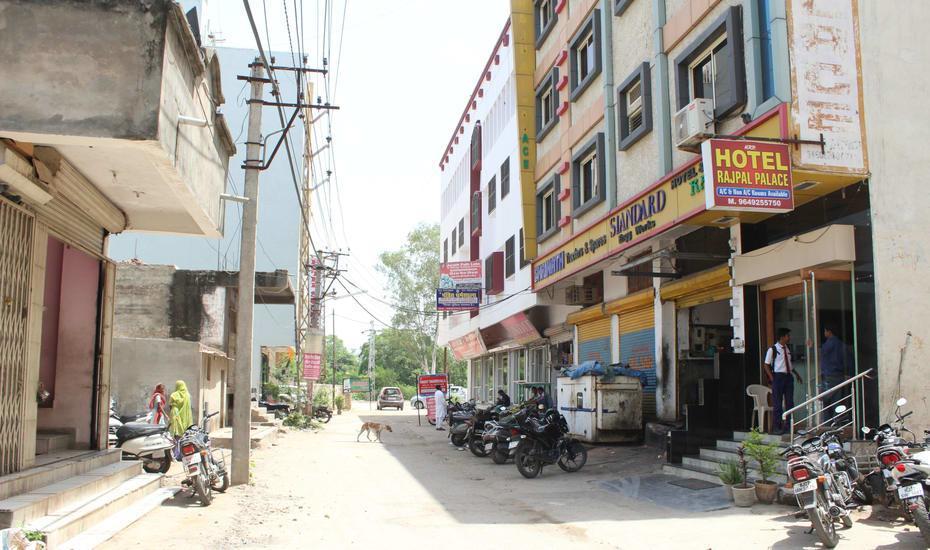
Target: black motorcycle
x=546 y=441
x=502 y=436
x=205 y=470
x=475 y=428
x=322 y=413
x=458 y=417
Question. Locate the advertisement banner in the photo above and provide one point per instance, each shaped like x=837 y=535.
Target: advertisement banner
x=747 y=176
x=312 y=366
x=426 y=386
x=468 y=346
x=431 y=409
x=460 y=275
x=359 y=385
x=458 y=299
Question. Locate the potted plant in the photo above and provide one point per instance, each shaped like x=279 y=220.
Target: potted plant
x=766 y=456
x=730 y=475
x=744 y=494
x=340 y=402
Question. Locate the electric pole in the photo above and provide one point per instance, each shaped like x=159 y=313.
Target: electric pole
x=242 y=407
x=371 y=360
x=334 y=357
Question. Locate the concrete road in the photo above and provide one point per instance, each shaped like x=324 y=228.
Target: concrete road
x=325 y=490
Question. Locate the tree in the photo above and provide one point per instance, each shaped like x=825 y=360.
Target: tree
x=413 y=275
x=346 y=362
x=397 y=362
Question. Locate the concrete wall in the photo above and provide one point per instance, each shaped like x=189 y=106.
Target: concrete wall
x=139 y=364
x=894 y=83
x=214 y=379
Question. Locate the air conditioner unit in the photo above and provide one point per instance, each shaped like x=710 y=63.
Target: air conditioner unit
x=694 y=124
x=579 y=295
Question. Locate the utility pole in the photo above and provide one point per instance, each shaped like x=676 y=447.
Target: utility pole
x=334 y=357
x=371 y=360
x=242 y=407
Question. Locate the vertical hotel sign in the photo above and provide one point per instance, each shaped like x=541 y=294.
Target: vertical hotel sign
x=524 y=57
x=826 y=84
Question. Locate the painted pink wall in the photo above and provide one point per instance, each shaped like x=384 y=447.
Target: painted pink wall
x=77 y=336
x=52 y=303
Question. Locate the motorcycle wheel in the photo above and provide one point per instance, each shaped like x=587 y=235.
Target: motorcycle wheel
x=822 y=522
x=158 y=465
x=922 y=519
x=499 y=456
x=847 y=521
x=432 y=421
x=222 y=483
x=528 y=466
x=476 y=446
x=327 y=417
x=574 y=457
x=458 y=439
x=203 y=488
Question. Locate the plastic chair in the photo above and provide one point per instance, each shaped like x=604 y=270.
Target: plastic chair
x=760 y=396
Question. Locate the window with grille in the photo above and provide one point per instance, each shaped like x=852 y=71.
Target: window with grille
x=505 y=178
x=509 y=258
x=492 y=194
x=634 y=102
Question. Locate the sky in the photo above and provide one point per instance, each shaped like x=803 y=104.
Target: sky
x=401 y=75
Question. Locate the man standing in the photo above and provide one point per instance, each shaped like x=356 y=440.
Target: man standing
x=779 y=371
x=832 y=366
x=440 y=407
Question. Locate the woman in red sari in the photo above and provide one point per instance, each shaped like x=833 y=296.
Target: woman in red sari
x=157 y=404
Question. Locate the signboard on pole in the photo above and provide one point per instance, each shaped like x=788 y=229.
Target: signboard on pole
x=426 y=387
x=359 y=385
x=313 y=363
x=747 y=176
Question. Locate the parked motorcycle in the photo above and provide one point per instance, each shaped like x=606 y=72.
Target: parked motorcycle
x=322 y=413
x=205 y=471
x=475 y=427
x=904 y=470
x=827 y=482
x=502 y=436
x=546 y=441
x=150 y=443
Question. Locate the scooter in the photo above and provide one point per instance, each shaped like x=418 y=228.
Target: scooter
x=150 y=443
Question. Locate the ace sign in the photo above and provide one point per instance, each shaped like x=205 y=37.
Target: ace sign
x=747 y=176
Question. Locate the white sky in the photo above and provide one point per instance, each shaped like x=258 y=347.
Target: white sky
x=405 y=73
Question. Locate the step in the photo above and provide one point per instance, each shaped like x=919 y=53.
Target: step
x=105 y=530
x=725 y=455
x=711 y=466
x=681 y=470
x=80 y=516
x=43 y=501
x=48 y=442
x=732 y=445
x=54 y=467
x=768 y=438
x=260 y=436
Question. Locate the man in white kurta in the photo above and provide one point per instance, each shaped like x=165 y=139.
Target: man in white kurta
x=440 y=407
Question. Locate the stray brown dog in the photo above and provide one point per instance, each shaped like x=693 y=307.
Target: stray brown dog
x=369 y=427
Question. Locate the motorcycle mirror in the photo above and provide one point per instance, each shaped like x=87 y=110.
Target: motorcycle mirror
x=866 y=430
x=801 y=432
x=901 y=402
x=840 y=409
x=540 y=407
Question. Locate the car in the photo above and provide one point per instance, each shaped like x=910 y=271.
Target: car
x=391 y=397
x=419 y=401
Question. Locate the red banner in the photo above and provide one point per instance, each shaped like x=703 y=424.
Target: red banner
x=744 y=175
x=426 y=383
x=312 y=364
x=469 y=346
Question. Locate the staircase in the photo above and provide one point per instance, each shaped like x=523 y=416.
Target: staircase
x=47 y=442
x=704 y=465
x=70 y=496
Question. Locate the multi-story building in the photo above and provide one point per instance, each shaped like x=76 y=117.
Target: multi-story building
x=483 y=173
x=674 y=282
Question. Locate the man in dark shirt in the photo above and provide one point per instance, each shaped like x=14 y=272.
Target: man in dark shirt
x=502 y=398
x=832 y=369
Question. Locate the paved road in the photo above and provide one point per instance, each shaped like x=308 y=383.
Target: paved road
x=324 y=490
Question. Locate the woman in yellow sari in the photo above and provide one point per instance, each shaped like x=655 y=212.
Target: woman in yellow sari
x=180 y=403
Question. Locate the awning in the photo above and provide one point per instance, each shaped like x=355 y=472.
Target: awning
x=829 y=246
x=587 y=314
x=636 y=300
x=712 y=285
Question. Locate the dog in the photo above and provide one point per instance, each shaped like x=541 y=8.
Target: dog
x=369 y=427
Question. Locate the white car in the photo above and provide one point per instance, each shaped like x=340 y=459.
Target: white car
x=419 y=401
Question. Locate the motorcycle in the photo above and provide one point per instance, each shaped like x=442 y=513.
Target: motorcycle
x=322 y=413
x=905 y=473
x=502 y=436
x=205 y=472
x=475 y=428
x=546 y=441
x=150 y=443
x=826 y=481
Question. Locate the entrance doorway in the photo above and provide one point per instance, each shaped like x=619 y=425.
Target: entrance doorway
x=823 y=299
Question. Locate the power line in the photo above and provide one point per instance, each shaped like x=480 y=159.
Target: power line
x=355 y=298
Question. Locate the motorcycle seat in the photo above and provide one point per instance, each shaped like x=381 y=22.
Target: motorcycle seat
x=133 y=430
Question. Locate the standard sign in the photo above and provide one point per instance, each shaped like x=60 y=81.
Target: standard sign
x=747 y=176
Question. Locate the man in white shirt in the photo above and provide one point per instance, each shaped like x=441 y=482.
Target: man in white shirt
x=440 y=407
x=779 y=370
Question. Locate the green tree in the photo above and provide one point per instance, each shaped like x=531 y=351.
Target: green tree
x=346 y=361
x=413 y=275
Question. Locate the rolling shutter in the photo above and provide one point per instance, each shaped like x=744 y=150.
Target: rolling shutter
x=594 y=341
x=637 y=341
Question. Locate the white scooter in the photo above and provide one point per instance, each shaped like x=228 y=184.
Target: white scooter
x=150 y=443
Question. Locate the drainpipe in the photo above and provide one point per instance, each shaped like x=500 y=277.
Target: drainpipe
x=610 y=100
x=661 y=91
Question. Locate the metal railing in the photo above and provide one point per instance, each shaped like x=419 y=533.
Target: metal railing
x=815 y=418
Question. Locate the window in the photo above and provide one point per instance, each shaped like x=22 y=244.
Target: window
x=765 y=46
x=636 y=283
x=445 y=250
x=476 y=144
x=547 y=101
x=544 y=13
x=494 y=273
x=461 y=232
x=509 y=259
x=505 y=178
x=476 y=213
x=523 y=261
x=712 y=66
x=588 y=176
x=585 y=54
x=620 y=6
x=453 y=242
x=492 y=194
x=548 y=209
x=634 y=102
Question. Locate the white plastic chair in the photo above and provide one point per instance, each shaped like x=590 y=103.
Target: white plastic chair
x=760 y=396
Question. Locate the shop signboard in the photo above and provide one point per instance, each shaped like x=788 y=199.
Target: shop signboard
x=469 y=346
x=747 y=176
x=458 y=299
x=663 y=205
x=459 y=286
x=359 y=385
x=426 y=386
x=312 y=366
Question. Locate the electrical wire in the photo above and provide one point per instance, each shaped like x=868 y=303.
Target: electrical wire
x=365 y=309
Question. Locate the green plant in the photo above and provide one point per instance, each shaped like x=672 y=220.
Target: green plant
x=301 y=421
x=729 y=473
x=764 y=454
x=271 y=390
x=742 y=466
x=321 y=398
x=340 y=402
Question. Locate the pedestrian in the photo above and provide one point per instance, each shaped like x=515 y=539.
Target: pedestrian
x=180 y=403
x=533 y=398
x=502 y=398
x=158 y=403
x=779 y=370
x=832 y=367
x=543 y=399
x=440 y=399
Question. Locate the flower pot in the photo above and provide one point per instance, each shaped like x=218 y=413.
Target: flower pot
x=744 y=496
x=729 y=489
x=766 y=491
